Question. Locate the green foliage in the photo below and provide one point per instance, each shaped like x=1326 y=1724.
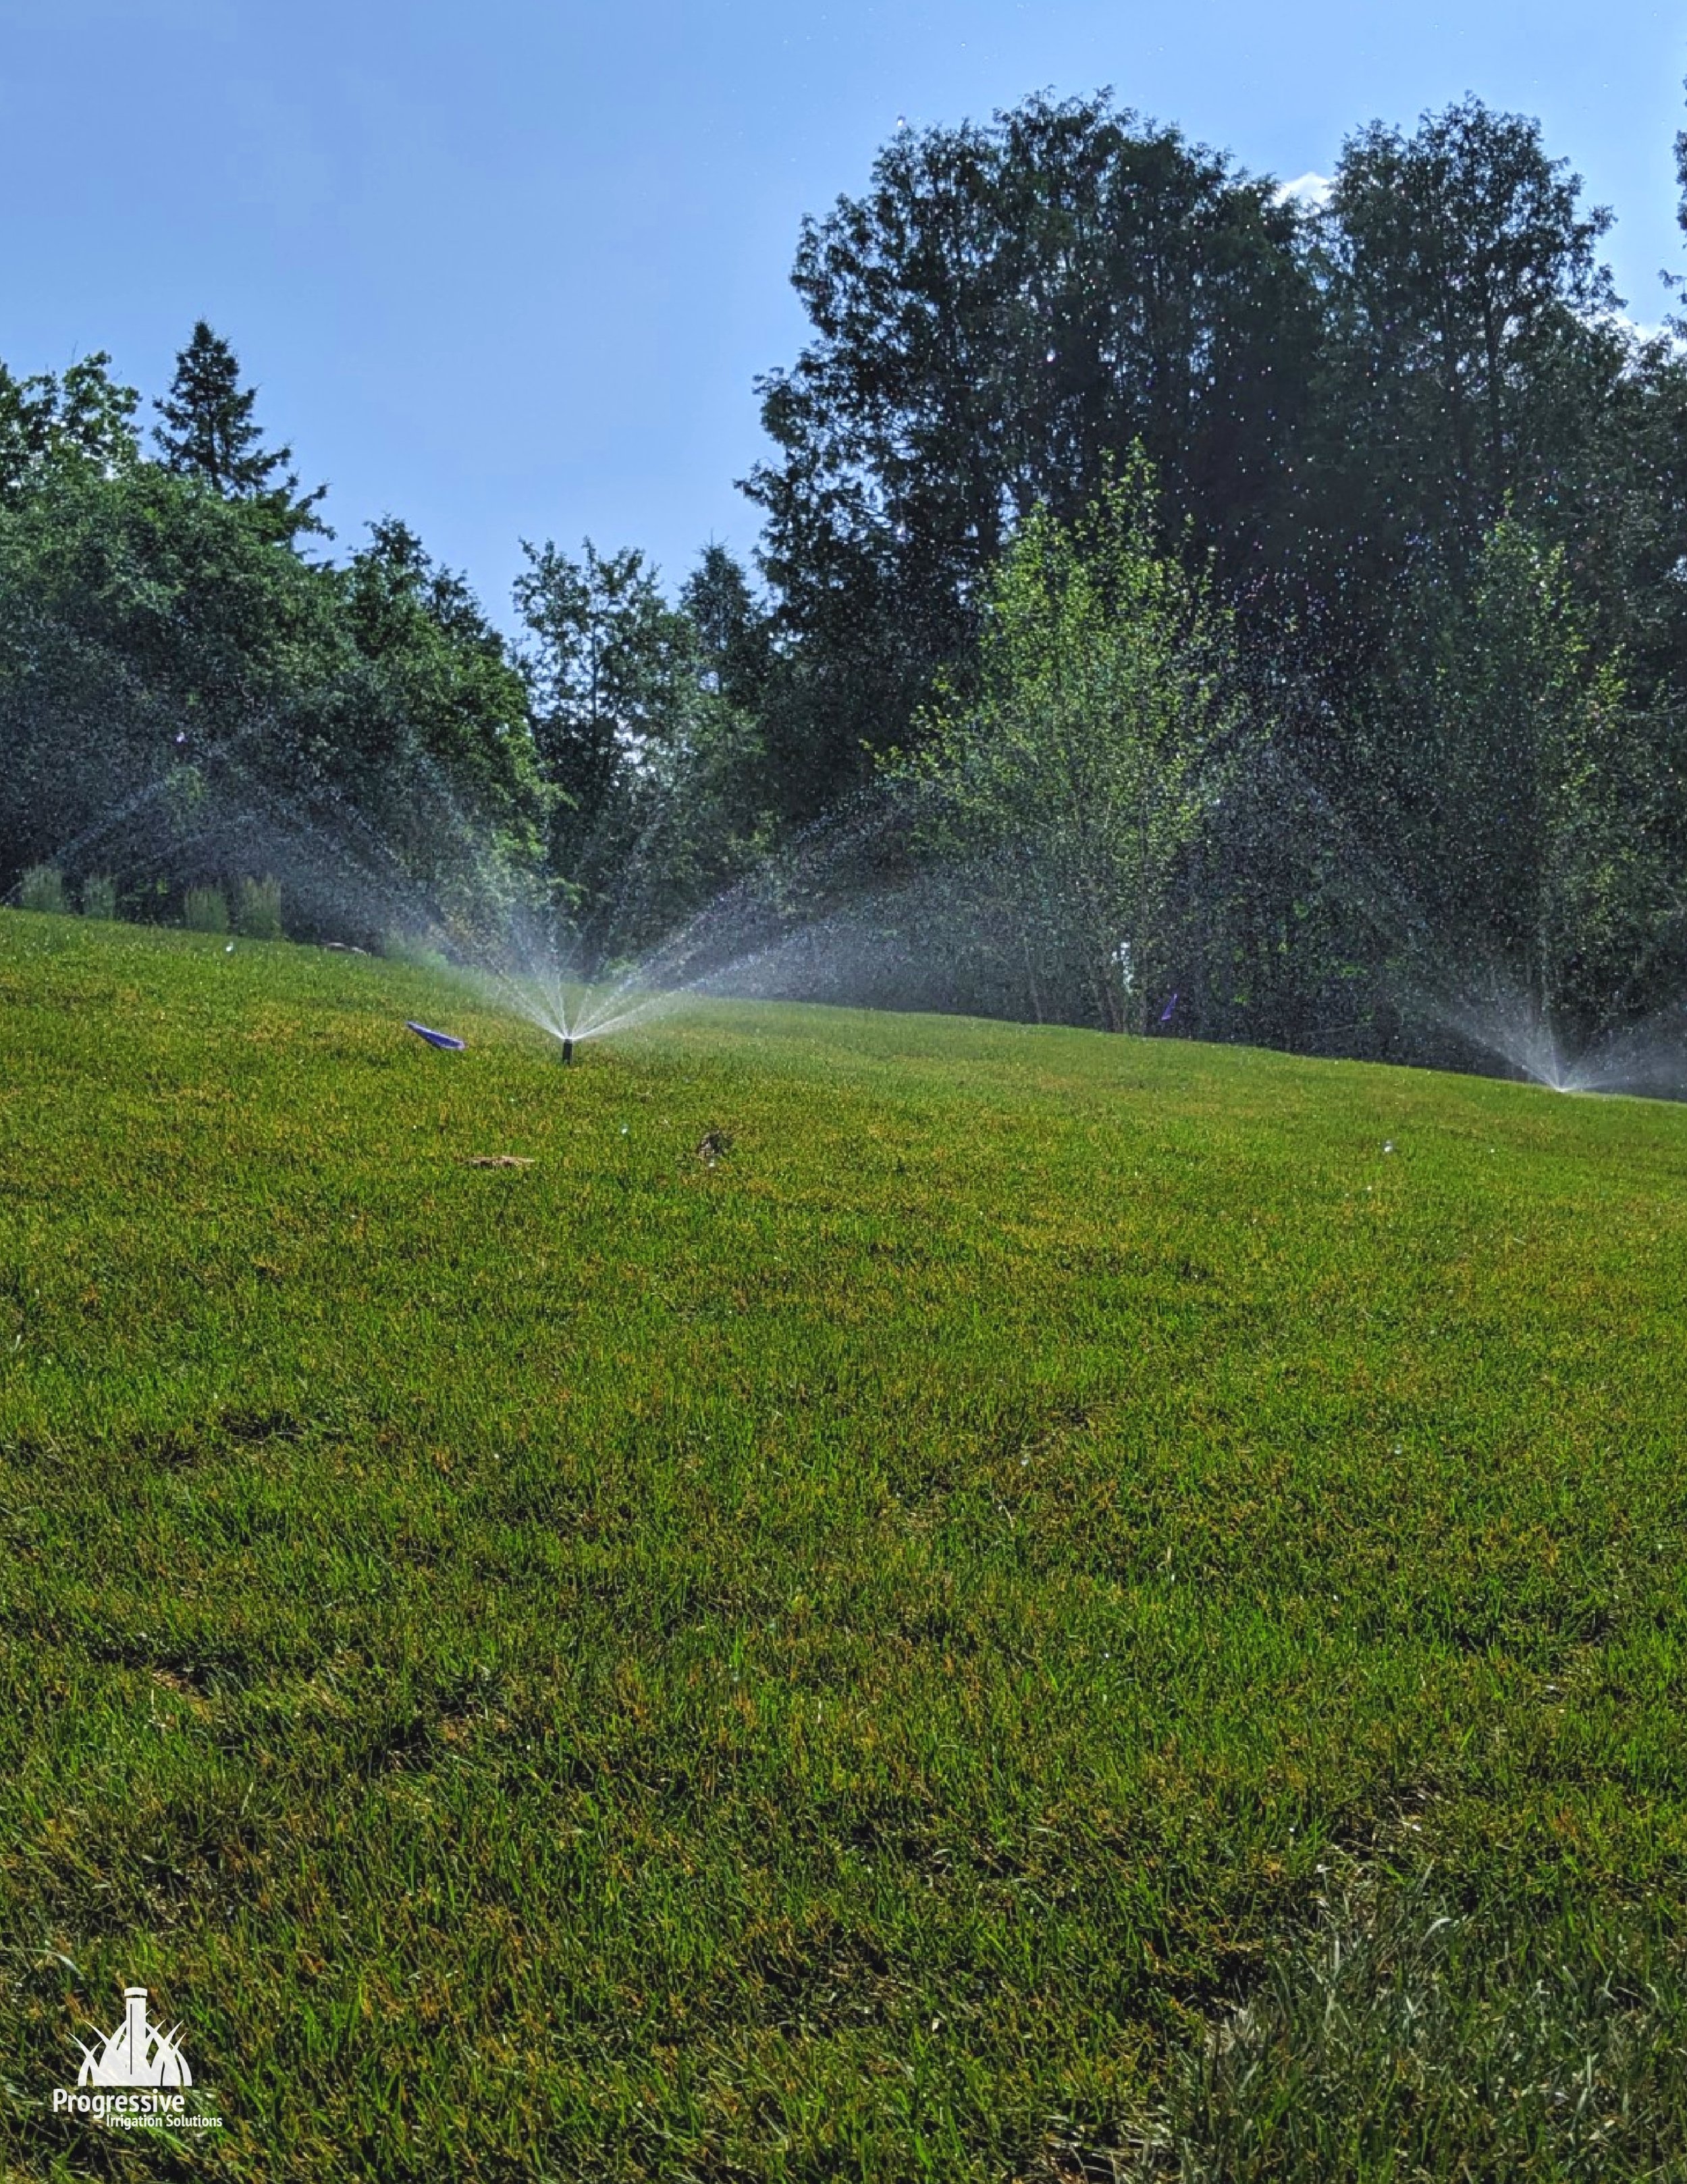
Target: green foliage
x=1463 y=295
x=165 y=668
x=413 y=950
x=257 y=913
x=208 y=433
x=205 y=909
x=1092 y=749
x=144 y=605
x=42 y=888
x=82 y=420
x=613 y=673
x=448 y=694
x=1518 y=785
x=99 y=896
x=731 y=630
x=712 y=786
x=1004 y=312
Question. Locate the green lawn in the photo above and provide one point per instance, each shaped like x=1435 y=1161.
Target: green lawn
x=846 y=1653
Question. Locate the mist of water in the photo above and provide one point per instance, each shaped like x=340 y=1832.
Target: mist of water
x=1499 y=1018
x=846 y=912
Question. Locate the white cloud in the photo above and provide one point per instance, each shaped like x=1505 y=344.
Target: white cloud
x=1640 y=330
x=1312 y=193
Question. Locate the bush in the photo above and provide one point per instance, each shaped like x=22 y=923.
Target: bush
x=205 y=909
x=99 y=896
x=42 y=888
x=259 y=916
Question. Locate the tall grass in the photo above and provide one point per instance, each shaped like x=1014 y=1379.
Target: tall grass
x=258 y=916
x=99 y=897
x=205 y=909
x=42 y=888
x=398 y=946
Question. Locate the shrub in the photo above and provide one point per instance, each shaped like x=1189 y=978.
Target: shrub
x=99 y=896
x=258 y=915
x=42 y=887
x=205 y=909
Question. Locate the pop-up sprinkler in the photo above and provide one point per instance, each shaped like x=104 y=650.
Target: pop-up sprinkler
x=568 y=1049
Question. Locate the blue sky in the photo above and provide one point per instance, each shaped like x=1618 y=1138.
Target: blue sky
x=510 y=269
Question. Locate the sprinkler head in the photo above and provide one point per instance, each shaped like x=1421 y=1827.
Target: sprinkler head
x=567 y=1051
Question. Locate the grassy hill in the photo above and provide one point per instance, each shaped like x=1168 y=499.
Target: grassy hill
x=840 y=1623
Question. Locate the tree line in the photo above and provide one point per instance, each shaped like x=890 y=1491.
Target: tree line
x=1242 y=614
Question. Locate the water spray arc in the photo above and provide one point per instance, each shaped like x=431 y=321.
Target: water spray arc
x=844 y=912
x=1647 y=1061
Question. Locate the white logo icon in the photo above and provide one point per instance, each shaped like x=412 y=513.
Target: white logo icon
x=135 y=2054
x=136 y=2078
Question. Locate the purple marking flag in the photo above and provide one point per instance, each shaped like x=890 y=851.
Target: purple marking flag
x=1166 y=1013
x=434 y=1038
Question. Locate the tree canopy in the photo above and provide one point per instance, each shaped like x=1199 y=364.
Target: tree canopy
x=209 y=432
x=1254 y=601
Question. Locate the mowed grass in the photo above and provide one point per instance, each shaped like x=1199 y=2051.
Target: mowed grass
x=839 y=1623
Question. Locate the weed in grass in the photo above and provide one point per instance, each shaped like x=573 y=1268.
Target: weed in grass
x=1405 y=2035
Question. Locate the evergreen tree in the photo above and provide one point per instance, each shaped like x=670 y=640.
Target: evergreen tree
x=734 y=634
x=209 y=432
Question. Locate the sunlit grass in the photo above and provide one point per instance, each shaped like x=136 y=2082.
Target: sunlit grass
x=839 y=1623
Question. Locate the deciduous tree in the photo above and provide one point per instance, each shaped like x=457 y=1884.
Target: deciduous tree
x=1003 y=311
x=1105 y=716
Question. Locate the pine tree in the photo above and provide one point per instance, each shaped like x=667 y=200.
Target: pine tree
x=209 y=432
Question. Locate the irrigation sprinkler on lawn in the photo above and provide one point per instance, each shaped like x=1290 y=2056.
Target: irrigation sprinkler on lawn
x=1647 y=1059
